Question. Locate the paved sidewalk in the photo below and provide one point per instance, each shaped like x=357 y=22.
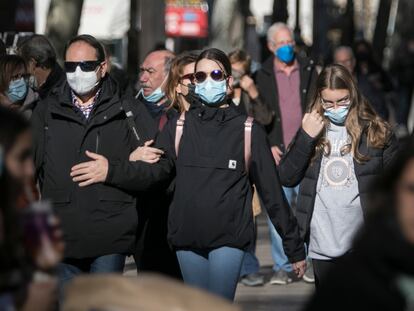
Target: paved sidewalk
x=290 y=297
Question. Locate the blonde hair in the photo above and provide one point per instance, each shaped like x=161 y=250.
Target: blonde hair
x=174 y=77
x=361 y=116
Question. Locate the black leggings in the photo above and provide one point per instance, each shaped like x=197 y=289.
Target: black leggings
x=321 y=269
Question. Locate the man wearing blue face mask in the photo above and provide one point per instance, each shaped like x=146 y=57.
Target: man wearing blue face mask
x=152 y=78
x=285 y=83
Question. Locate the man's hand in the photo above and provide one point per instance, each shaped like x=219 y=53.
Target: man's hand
x=92 y=172
x=277 y=154
x=313 y=124
x=247 y=84
x=299 y=268
x=146 y=153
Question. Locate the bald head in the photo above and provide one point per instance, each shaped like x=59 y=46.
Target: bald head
x=154 y=70
x=344 y=56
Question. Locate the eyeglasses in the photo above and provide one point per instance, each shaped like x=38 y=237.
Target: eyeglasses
x=189 y=76
x=216 y=75
x=343 y=102
x=89 y=65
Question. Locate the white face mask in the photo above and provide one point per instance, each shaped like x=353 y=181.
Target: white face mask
x=82 y=82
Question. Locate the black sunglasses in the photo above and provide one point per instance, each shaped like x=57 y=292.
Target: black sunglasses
x=89 y=65
x=189 y=76
x=216 y=75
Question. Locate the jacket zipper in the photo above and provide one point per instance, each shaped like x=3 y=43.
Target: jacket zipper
x=97 y=142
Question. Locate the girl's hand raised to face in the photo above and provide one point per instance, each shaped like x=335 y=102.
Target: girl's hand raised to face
x=312 y=123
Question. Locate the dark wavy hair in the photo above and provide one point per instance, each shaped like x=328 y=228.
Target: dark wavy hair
x=217 y=56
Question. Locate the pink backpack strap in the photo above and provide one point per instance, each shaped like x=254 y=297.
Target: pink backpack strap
x=248 y=142
x=179 y=131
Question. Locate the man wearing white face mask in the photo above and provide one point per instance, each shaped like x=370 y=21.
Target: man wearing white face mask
x=152 y=78
x=77 y=129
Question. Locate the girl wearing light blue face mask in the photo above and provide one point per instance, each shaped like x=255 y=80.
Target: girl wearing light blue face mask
x=342 y=146
x=14 y=90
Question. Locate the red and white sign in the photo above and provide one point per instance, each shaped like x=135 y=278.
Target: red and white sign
x=186 y=21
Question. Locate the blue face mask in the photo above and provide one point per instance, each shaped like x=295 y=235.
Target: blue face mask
x=17 y=90
x=211 y=92
x=337 y=116
x=285 y=53
x=155 y=96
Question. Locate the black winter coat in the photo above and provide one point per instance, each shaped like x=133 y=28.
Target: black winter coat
x=55 y=79
x=266 y=84
x=99 y=219
x=369 y=278
x=212 y=204
x=297 y=167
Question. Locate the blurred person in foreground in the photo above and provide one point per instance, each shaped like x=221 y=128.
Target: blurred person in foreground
x=379 y=273
x=344 y=56
x=15 y=92
x=23 y=253
x=285 y=83
x=341 y=147
x=149 y=292
x=82 y=121
x=40 y=57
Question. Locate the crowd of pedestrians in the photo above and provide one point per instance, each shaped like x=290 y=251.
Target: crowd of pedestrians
x=175 y=172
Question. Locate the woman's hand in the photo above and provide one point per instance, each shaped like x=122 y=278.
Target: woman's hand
x=247 y=84
x=146 y=153
x=313 y=124
x=299 y=268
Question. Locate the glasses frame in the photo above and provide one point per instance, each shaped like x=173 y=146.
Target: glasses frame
x=344 y=102
x=223 y=76
x=85 y=66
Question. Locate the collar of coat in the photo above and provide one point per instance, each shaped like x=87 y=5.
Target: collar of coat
x=107 y=106
x=206 y=113
x=304 y=63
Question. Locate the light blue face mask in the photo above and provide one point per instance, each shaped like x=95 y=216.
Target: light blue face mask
x=17 y=90
x=155 y=96
x=337 y=116
x=285 y=53
x=211 y=92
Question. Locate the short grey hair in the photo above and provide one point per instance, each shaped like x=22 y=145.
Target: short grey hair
x=344 y=48
x=275 y=28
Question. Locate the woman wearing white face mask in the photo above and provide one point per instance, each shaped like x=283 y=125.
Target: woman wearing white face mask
x=14 y=90
x=216 y=153
x=340 y=149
